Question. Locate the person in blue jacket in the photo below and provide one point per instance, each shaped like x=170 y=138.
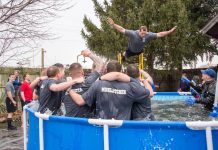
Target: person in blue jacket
x=184 y=85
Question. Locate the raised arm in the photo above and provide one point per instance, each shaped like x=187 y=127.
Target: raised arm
x=148 y=87
x=97 y=60
x=146 y=76
x=64 y=85
x=37 y=80
x=22 y=96
x=117 y=27
x=165 y=33
x=116 y=76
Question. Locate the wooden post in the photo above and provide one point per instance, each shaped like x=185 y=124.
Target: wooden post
x=42 y=59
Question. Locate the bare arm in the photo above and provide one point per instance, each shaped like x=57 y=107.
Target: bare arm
x=77 y=98
x=117 y=27
x=165 y=33
x=22 y=96
x=65 y=85
x=37 y=80
x=146 y=76
x=148 y=86
x=35 y=96
x=112 y=76
x=97 y=60
x=9 y=95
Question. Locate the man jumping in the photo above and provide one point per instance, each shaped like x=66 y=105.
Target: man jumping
x=137 y=39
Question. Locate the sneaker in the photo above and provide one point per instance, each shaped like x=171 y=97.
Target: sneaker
x=12 y=128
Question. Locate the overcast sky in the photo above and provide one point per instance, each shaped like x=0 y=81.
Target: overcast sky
x=68 y=26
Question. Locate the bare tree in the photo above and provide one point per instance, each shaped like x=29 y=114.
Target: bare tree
x=23 y=23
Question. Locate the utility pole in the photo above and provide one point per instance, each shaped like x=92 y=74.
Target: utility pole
x=33 y=65
x=42 y=59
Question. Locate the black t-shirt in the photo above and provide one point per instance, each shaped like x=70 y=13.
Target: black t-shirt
x=37 y=88
x=49 y=101
x=72 y=109
x=141 y=110
x=115 y=99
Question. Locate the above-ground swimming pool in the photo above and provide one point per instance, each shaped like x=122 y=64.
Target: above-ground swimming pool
x=66 y=133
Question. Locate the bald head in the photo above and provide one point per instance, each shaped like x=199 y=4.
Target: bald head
x=76 y=70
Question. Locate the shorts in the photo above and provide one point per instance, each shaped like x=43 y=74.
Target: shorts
x=130 y=53
x=10 y=106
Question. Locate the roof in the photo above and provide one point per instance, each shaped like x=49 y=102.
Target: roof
x=211 y=29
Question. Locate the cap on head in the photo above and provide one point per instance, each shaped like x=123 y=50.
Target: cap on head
x=209 y=72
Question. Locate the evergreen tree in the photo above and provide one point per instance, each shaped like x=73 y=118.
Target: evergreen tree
x=183 y=46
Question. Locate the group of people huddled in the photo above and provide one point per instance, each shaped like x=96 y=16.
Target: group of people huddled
x=104 y=93
x=203 y=91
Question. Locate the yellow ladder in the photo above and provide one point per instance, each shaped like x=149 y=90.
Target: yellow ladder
x=141 y=64
x=119 y=56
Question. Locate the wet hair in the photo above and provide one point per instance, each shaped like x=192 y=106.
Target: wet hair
x=144 y=28
x=132 y=71
x=113 y=66
x=75 y=68
x=59 y=65
x=52 y=71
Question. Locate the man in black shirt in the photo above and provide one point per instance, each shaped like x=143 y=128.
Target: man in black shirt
x=76 y=70
x=49 y=96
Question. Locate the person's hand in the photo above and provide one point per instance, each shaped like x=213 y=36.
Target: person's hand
x=69 y=78
x=110 y=21
x=173 y=29
x=144 y=80
x=14 y=102
x=190 y=101
x=86 y=53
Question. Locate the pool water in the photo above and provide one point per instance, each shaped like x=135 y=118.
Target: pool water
x=178 y=111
